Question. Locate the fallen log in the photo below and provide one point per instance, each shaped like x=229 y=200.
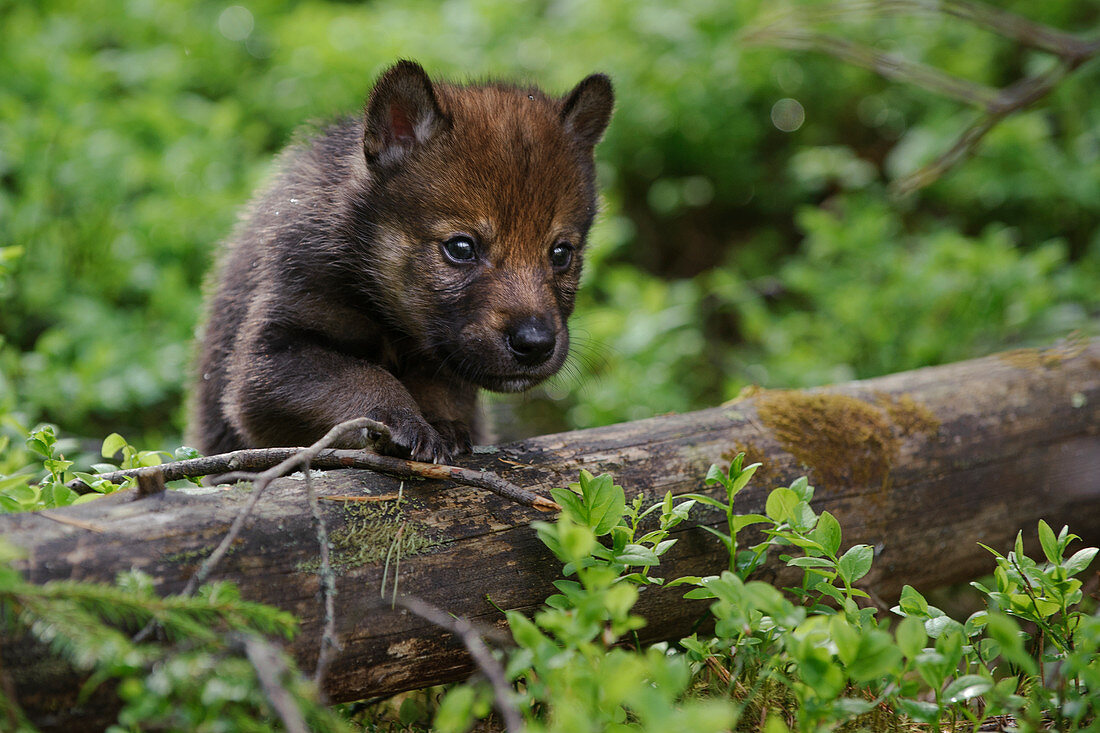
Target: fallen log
x=921 y=465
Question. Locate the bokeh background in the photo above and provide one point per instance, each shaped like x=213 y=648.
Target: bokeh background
x=747 y=235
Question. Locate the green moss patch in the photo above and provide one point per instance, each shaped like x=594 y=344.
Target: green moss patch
x=844 y=440
x=909 y=416
x=370 y=533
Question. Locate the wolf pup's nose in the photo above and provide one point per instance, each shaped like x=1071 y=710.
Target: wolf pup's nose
x=531 y=341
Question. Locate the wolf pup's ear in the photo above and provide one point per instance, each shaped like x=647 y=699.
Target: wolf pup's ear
x=586 y=110
x=402 y=112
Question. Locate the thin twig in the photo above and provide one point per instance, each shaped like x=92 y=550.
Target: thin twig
x=1013 y=99
x=483 y=658
x=791 y=30
x=330 y=644
x=1011 y=26
x=1068 y=46
x=254 y=459
x=270 y=671
x=884 y=64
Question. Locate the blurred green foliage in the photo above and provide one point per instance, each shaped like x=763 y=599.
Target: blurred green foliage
x=729 y=251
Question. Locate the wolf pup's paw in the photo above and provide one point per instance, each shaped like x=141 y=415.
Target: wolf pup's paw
x=410 y=436
x=455 y=434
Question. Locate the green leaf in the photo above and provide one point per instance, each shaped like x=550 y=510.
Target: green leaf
x=803 y=517
x=991 y=550
x=742 y=479
x=846 y=639
x=697 y=593
x=571 y=504
x=59 y=495
x=456 y=710
x=911 y=636
x=1007 y=633
x=39 y=447
x=149 y=458
x=1080 y=560
x=638 y=555
x=856 y=562
x=524 y=631
x=912 y=602
x=24 y=494
x=185 y=453
x=968 y=686
x=827 y=533
x=853 y=706
x=801 y=487
x=828 y=589
x=876 y=657
x=937 y=626
x=975 y=623
x=919 y=710
x=605 y=502
x=715 y=475
x=717 y=533
x=8 y=504
x=781 y=504
x=765 y=597
x=663 y=547
x=811 y=562
x=1049 y=542
x=740 y=521
x=112 y=444
x=704 y=499
x=11 y=482
x=685 y=580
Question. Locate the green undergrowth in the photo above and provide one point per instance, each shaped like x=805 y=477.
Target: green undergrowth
x=42 y=483
x=814 y=656
x=198 y=672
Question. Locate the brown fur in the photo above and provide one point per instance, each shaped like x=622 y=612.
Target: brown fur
x=337 y=297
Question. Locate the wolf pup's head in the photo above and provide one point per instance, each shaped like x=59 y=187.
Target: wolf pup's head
x=477 y=207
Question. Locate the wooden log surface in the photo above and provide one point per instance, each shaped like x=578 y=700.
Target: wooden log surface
x=922 y=465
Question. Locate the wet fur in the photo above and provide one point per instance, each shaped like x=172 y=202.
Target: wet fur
x=334 y=298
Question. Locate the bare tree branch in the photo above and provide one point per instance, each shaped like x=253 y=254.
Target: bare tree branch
x=1006 y=24
x=330 y=644
x=884 y=64
x=254 y=459
x=1068 y=46
x=1020 y=95
x=270 y=671
x=483 y=658
x=792 y=31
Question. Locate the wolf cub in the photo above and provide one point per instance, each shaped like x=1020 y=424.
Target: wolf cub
x=398 y=262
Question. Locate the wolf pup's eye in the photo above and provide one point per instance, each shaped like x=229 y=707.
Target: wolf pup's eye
x=460 y=249
x=561 y=255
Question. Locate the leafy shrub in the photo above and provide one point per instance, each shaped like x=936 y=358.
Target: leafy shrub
x=201 y=679
x=137 y=131
x=811 y=654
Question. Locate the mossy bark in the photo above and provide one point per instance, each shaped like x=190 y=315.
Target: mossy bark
x=922 y=465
